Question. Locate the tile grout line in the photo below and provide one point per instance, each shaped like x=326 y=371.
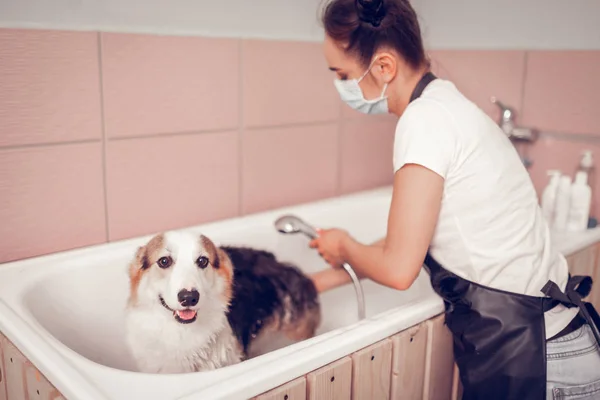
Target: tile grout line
x=240 y=141
x=340 y=140
x=104 y=139
x=49 y=144
x=524 y=83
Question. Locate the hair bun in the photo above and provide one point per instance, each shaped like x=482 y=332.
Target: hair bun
x=370 y=11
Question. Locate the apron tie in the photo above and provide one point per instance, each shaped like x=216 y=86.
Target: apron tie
x=577 y=288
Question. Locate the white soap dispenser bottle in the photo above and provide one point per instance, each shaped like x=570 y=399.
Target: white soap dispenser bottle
x=563 y=201
x=581 y=201
x=549 y=196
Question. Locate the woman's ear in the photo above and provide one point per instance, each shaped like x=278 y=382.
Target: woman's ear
x=385 y=67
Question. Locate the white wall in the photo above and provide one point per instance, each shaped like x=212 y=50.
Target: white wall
x=459 y=24
x=510 y=24
x=277 y=19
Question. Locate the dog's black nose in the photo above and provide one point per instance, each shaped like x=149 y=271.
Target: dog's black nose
x=188 y=298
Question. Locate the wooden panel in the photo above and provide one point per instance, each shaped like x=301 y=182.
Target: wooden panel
x=3 y=395
x=371 y=372
x=440 y=361
x=294 y=390
x=14 y=362
x=408 y=363
x=583 y=262
x=37 y=386
x=595 y=295
x=457 y=391
x=333 y=381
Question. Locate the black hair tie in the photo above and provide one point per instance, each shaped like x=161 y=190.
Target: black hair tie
x=370 y=11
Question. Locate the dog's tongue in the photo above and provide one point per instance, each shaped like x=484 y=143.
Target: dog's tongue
x=186 y=314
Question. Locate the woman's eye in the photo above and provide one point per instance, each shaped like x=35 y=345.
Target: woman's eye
x=202 y=262
x=165 y=262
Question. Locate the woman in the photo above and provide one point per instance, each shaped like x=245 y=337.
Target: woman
x=464 y=205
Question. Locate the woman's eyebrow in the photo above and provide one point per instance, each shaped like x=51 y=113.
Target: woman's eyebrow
x=334 y=69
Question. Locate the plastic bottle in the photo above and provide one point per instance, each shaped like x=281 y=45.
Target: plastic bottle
x=562 y=205
x=586 y=164
x=549 y=196
x=581 y=201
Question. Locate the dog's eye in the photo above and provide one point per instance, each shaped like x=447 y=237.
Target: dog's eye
x=202 y=262
x=165 y=262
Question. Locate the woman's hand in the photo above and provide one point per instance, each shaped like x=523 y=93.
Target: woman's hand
x=330 y=245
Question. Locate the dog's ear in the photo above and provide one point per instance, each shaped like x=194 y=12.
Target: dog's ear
x=213 y=253
x=140 y=260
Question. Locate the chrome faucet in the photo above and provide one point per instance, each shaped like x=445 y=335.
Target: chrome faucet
x=507 y=123
x=518 y=135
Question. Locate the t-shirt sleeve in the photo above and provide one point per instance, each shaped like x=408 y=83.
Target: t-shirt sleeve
x=425 y=135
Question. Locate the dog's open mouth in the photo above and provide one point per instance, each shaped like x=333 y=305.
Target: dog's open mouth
x=185 y=316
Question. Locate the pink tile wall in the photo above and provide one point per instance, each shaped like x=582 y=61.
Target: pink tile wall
x=479 y=75
x=51 y=199
x=109 y=136
x=49 y=87
x=167 y=84
x=288 y=165
x=286 y=83
x=163 y=183
x=366 y=154
x=562 y=92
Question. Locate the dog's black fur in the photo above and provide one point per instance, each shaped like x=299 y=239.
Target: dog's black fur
x=264 y=291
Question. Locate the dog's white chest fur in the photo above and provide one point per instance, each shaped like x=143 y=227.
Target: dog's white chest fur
x=159 y=344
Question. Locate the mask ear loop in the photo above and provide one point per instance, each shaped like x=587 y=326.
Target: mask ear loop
x=365 y=74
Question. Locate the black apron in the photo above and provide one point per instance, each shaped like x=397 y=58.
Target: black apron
x=499 y=337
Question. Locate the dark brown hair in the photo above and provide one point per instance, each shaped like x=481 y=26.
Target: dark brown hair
x=364 y=26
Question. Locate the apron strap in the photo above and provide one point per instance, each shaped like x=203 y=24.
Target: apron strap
x=577 y=288
x=425 y=80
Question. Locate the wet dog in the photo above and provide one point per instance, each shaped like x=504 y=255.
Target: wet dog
x=194 y=306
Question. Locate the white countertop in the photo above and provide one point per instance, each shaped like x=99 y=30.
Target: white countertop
x=571 y=242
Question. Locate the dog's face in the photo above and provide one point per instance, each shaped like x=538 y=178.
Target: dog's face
x=184 y=274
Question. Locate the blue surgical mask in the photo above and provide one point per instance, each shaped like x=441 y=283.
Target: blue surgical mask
x=351 y=94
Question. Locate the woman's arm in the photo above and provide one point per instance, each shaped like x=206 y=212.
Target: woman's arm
x=416 y=203
x=332 y=278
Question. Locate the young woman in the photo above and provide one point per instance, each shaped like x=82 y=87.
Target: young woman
x=463 y=205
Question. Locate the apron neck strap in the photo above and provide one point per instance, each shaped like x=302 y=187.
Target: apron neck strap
x=421 y=85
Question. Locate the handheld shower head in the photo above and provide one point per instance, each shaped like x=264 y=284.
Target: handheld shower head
x=291 y=224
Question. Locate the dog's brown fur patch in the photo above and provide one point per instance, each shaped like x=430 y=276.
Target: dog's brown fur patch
x=144 y=258
x=220 y=262
x=305 y=326
x=226 y=272
x=211 y=249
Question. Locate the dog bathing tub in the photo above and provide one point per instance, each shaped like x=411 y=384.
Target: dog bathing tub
x=63 y=314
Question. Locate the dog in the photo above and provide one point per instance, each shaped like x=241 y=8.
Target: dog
x=194 y=306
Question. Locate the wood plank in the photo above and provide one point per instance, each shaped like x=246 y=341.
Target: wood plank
x=371 y=372
x=408 y=363
x=333 y=381
x=293 y=390
x=3 y=394
x=457 y=391
x=583 y=262
x=440 y=361
x=37 y=385
x=14 y=362
x=594 y=297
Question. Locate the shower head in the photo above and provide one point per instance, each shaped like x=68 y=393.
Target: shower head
x=292 y=224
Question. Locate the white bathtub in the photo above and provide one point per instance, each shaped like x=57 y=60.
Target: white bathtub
x=65 y=311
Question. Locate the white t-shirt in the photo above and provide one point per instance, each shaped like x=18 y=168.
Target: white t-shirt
x=491 y=229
